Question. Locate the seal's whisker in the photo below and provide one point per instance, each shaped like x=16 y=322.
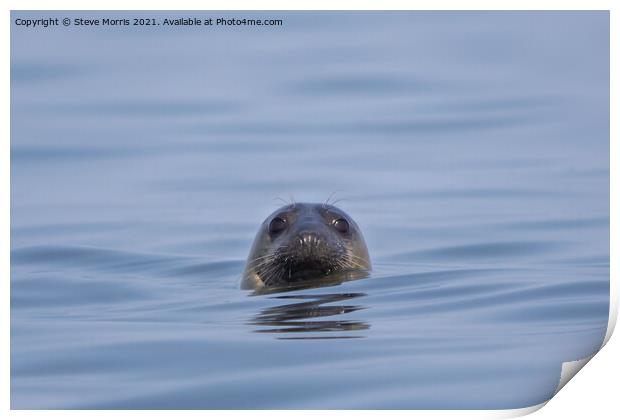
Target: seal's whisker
x=260 y=259
x=268 y=257
x=326 y=202
x=332 y=195
x=357 y=257
x=356 y=262
x=261 y=265
x=283 y=201
x=269 y=275
x=338 y=201
x=353 y=266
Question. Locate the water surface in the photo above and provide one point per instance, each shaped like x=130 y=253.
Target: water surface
x=471 y=148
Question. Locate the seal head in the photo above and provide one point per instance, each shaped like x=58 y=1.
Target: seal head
x=303 y=242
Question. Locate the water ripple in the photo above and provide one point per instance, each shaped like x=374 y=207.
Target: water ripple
x=25 y=73
x=359 y=84
x=152 y=108
x=482 y=251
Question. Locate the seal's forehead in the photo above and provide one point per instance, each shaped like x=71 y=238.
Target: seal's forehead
x=307 y=208
x=295 y=208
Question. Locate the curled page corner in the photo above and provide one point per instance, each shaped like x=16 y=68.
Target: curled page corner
x=520 y=412
x=613 y=312
x=570 y=369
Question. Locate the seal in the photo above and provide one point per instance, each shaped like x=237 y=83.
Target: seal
x=302 y=243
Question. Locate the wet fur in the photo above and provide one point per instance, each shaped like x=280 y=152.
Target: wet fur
x=286 y=261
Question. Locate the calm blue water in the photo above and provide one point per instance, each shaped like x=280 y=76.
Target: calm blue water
x=471 y=148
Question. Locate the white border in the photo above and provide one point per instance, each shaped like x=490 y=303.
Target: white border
x=601 y=383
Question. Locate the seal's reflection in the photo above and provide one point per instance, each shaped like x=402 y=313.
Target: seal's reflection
x=298 y=317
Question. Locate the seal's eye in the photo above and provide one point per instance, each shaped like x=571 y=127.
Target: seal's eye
x=277 y=225
x=341 y=225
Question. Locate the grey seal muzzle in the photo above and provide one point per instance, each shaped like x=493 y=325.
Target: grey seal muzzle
x=304 y=242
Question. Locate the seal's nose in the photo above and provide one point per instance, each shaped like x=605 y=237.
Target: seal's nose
x=308 y=239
